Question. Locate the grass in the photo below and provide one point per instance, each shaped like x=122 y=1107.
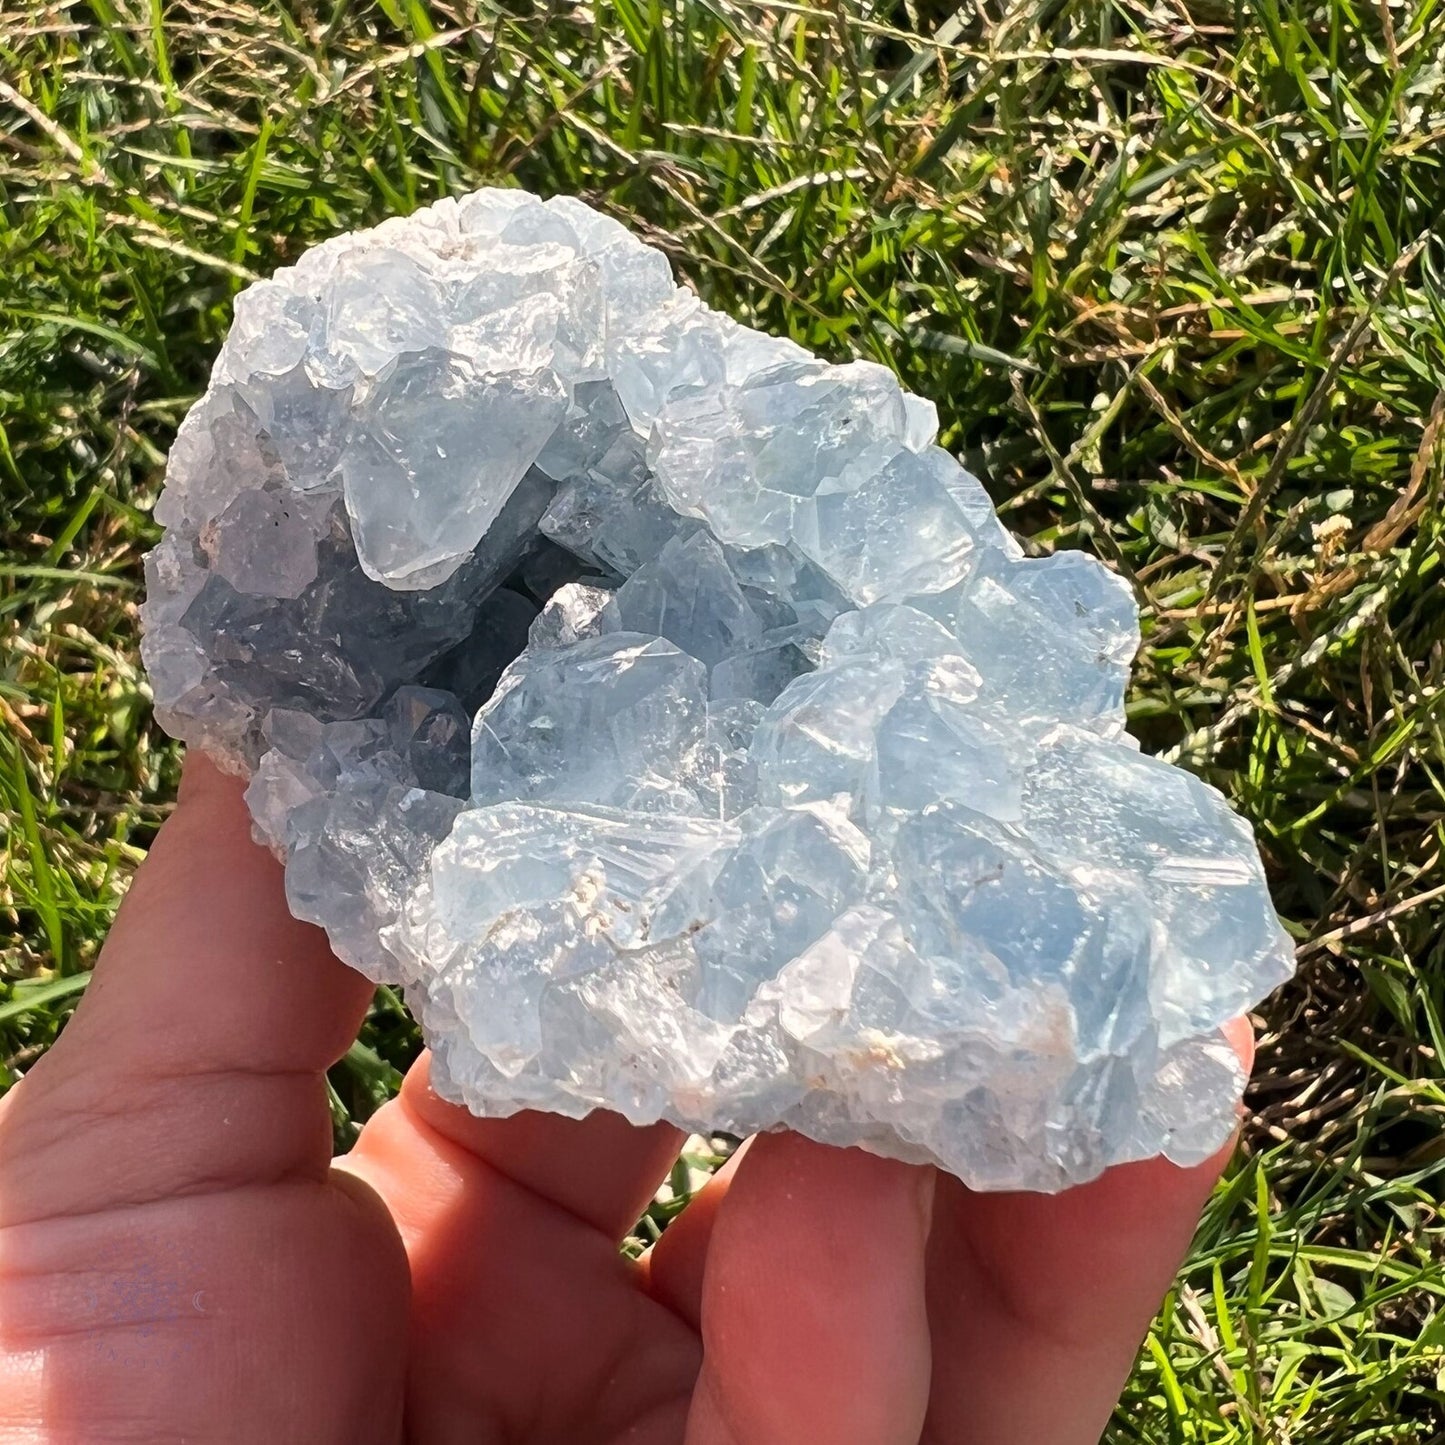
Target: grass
x=1169 y=270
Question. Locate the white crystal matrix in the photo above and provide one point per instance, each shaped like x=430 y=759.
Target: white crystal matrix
x=678 y=723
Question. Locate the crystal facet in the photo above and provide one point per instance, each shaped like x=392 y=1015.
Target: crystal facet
x=676 y=722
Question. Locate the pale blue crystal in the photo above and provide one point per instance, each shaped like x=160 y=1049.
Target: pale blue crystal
x=441 y=451
x=678 y=724
x=850 y=533
x=688 y=594
x=605 y=721
x=381 y=305
x=430 y=731
x=302 y=423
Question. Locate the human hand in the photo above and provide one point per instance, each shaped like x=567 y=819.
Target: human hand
x=181 y=1260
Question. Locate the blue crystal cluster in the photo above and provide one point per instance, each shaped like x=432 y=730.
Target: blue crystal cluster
x=678 y=724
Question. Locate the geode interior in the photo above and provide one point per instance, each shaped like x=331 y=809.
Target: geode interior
x=678 y=723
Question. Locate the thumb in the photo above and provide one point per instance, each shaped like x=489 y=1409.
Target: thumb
x=174 y=1261
x=199 y=1051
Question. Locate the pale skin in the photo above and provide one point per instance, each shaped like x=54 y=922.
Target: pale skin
x=182 y=1260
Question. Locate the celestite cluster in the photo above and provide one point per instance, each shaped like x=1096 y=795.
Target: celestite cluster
x=678 y=723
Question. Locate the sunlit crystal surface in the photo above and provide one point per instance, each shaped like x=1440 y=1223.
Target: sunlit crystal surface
x=677 y=723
